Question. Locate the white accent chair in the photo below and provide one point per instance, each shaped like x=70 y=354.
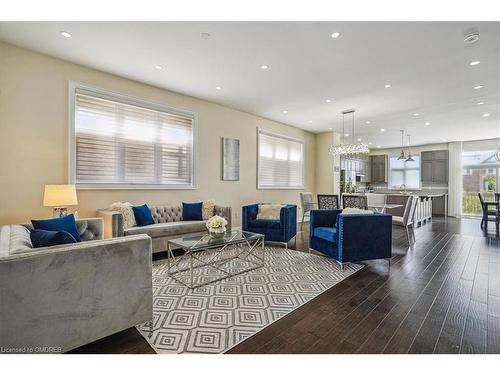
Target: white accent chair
x=306 y=200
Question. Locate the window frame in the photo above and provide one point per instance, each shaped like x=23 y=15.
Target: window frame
x=466 y=194
x=389 y=183
x=277 y=135
x=131 y=100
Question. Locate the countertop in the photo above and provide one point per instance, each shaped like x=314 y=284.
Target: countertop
x=429 y=195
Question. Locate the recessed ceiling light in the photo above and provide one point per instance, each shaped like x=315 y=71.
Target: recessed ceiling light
x=359 y=139
x=478 y=87
x=285 y=112
x=378 y=146
x=473 y=63
x=65 y=34
x=368 y=122
x=445 y=140
x=346 y=134
x=480 y=103
x=330 y=128
x=335 y=35
x=486 y=115
x=416 y=114
x=382 y=130
x=369 y=143
x=158 y=67
x=427 y=123
x=218 y=88
x=264 y=67
x=387 y=86
x=310 y=121
x=328 y=100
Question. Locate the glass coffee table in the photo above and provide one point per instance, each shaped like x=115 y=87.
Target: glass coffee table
x=206 y=258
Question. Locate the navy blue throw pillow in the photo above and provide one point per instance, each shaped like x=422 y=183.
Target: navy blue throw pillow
x=65 y=223
x=42 y=238
x=192 y=211
x=143 y=215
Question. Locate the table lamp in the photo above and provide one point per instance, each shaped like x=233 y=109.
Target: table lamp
x=59 y=197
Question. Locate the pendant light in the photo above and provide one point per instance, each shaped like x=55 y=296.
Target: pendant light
x=409 y=151
x=350 y=148
x=402 y=156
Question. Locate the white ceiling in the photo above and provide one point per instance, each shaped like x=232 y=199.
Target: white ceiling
x=427 y=64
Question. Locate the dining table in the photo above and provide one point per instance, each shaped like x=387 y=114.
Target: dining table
x=382 y=207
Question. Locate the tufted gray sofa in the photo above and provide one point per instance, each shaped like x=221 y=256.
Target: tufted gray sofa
x=168 y=224
x=66 y=296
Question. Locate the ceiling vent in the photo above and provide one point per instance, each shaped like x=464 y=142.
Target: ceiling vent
x=471 y=36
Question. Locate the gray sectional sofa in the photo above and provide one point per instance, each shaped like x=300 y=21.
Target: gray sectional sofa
x=168 y=224
x=61 y=297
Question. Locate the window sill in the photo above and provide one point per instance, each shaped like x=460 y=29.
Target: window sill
x=279 y=188
x=408 y=189
x=132 y=187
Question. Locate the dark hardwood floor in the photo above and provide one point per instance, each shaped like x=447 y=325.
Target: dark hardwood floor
x=440 y=296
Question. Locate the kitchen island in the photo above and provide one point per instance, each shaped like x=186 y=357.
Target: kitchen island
x=428 y=205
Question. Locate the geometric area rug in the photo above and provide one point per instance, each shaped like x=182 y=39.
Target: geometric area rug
x=215 y=317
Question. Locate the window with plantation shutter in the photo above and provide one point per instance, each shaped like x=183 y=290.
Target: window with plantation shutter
x=280 y=162
x=123 y=142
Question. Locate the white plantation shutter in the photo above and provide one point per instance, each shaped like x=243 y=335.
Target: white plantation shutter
x=280 y=162
x=120 y=142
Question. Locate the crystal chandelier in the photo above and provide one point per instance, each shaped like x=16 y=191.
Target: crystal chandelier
x=350 y=148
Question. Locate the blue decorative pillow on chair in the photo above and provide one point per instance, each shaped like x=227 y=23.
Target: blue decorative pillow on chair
x=58 y=224
x=192 y=211
x=42 y=238
x=143 y=215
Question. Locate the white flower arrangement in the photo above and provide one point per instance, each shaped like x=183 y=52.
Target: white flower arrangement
x=216 y=224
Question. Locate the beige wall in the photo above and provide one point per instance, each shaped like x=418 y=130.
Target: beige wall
x=480 y=144
x=415 y=150
x=34 y=140
x=327 y=180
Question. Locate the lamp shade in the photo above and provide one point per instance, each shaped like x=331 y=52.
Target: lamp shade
x=59 y=196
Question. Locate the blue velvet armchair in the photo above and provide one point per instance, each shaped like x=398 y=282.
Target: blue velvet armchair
x=282 y=230
x=351 y=238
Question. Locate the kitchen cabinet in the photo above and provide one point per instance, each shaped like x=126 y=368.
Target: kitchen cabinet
x=378 y=169
x=440 y=172
x=357 y=165
x=426 y=171
x=434 y=169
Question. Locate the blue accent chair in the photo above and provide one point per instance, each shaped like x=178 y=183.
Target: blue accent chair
x=282 y=230
x=351 y=238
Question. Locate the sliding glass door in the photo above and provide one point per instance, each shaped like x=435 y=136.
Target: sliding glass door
x=480 y=174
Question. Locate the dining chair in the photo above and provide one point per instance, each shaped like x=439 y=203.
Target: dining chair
x=497 y=199
x=306 y=200
x=328 y=202
x=354 y=201
x=487 y=211
x=408 y=219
